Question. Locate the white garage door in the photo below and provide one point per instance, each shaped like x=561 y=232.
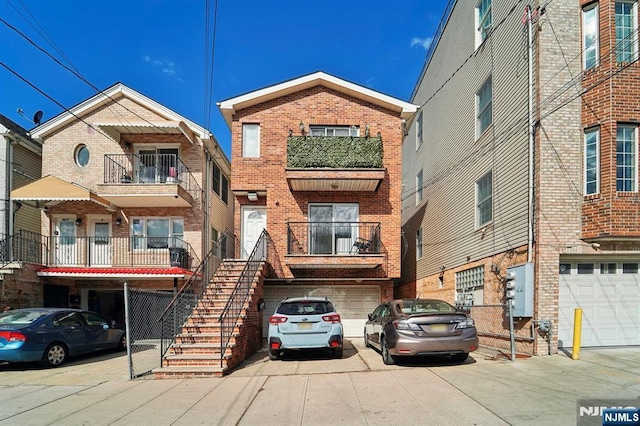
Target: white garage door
x=610 y=305
x=353 y=303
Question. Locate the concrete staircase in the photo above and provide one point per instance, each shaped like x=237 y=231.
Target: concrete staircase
x=196 y=351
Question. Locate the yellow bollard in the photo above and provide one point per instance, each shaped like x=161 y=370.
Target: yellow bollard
x=577 y=331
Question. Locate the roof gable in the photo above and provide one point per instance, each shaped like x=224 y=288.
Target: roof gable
x=230 y=106
x=105 y=97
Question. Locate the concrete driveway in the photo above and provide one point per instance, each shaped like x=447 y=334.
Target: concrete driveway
x=315 y=389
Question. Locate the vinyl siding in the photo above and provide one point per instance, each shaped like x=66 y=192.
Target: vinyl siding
x=27 y=167
x=453 y=158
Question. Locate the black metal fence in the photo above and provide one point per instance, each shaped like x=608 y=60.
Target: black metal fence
x=23 y=246
x=143 y=309
x=333 y=238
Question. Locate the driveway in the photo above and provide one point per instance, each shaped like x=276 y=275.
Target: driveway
x=315 y=389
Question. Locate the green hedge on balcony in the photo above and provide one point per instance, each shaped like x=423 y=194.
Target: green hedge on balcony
x=337 y=152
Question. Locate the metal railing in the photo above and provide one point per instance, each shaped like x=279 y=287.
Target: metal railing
x=333 y=238
x=23 y=246
x=263 y=251
x=183 y=303
x=149 y=169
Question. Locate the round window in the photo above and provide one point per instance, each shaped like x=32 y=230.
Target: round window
x=82 y=155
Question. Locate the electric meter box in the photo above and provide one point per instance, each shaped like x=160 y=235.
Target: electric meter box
x=523 y=300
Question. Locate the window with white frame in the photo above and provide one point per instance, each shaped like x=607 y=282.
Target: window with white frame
x=250 y=140
x=419 y=130
x=334 y=130
x=220 y=184
x=419 y=244
x=419 y=187
x=483 y=20
x=591 y=161
x=484 y=102
x=626 y=158
x=470 y=286
x=157 y=232
x=484 y=200
x=626 y=31
x=590 y=48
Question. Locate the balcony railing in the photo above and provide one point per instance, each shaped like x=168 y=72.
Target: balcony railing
x=149 y=169
x=333 y=238
x=337 y=152
x=97 y=251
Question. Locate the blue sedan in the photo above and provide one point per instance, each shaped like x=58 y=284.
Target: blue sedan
x=51 y=335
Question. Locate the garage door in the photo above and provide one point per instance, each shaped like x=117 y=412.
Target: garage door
x=353 y=303
x=610 y=305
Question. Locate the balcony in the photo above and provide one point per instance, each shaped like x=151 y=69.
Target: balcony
x=335 y=163
x=351 y=245
x=148 y=180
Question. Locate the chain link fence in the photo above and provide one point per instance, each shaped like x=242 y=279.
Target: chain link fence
x=494 y=330
x=143 y=309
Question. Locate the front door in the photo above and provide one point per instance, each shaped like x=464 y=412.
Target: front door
x=100 y=242
x=254 y=220
x=65 y=242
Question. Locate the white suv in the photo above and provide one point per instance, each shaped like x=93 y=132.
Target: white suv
x=304 y=323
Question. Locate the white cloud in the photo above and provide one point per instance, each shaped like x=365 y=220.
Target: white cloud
x=166 y=67
x=424 y=42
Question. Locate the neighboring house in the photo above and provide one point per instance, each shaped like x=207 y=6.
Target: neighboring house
x=535 y=173
x=316 y=161
x=20 y=164
x=132 y=192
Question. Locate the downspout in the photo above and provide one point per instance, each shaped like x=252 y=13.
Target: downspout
x=531 y=137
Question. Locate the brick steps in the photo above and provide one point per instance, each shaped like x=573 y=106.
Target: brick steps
x=188 y=372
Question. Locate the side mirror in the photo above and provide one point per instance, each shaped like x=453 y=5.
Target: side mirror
x=370 y=316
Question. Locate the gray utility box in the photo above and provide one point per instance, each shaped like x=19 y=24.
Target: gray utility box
x=523 y=300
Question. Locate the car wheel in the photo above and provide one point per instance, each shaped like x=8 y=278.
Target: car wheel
x=366 y=340
x=387 y=358
x=55 y=355
x=273 y=356
x=123 y=343
x=460 y=357
x=337 y=353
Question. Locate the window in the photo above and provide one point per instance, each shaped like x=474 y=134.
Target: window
x=251 y=140
x=220 y=184
x=81 y=155
x=483 y=20
x=419 y=244
x=157 y=233
x=591 y=161
x=585 y=268
x=608 y=268
x=334 y=130
x=626 y=31
x=590 y=36
x=484 y=204
x=334 y=228
x=629 y=268
x=626 y=171
x=470 y=286
x=419 y=187
x=419 y=131
x=484 y=106
x=565 y=268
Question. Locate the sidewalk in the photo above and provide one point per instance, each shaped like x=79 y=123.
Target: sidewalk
x=356 y=390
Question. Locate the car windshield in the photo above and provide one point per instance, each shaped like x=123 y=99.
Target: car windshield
x=305 y=307
x=421 y=306
x=20 y=317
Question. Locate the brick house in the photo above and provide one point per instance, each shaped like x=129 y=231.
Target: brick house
x=132 y=191
x=527 y=160
x=316 y=161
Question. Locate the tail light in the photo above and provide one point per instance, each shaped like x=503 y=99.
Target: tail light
x=466 y=323
x=13 y=336
x=333 y=318
x=276 y=319
x=404 y=325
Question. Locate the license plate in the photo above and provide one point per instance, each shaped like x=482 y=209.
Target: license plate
x=438 y=328
x=304 y=326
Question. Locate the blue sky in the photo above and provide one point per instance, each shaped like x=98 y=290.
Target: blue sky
x=157 y=47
